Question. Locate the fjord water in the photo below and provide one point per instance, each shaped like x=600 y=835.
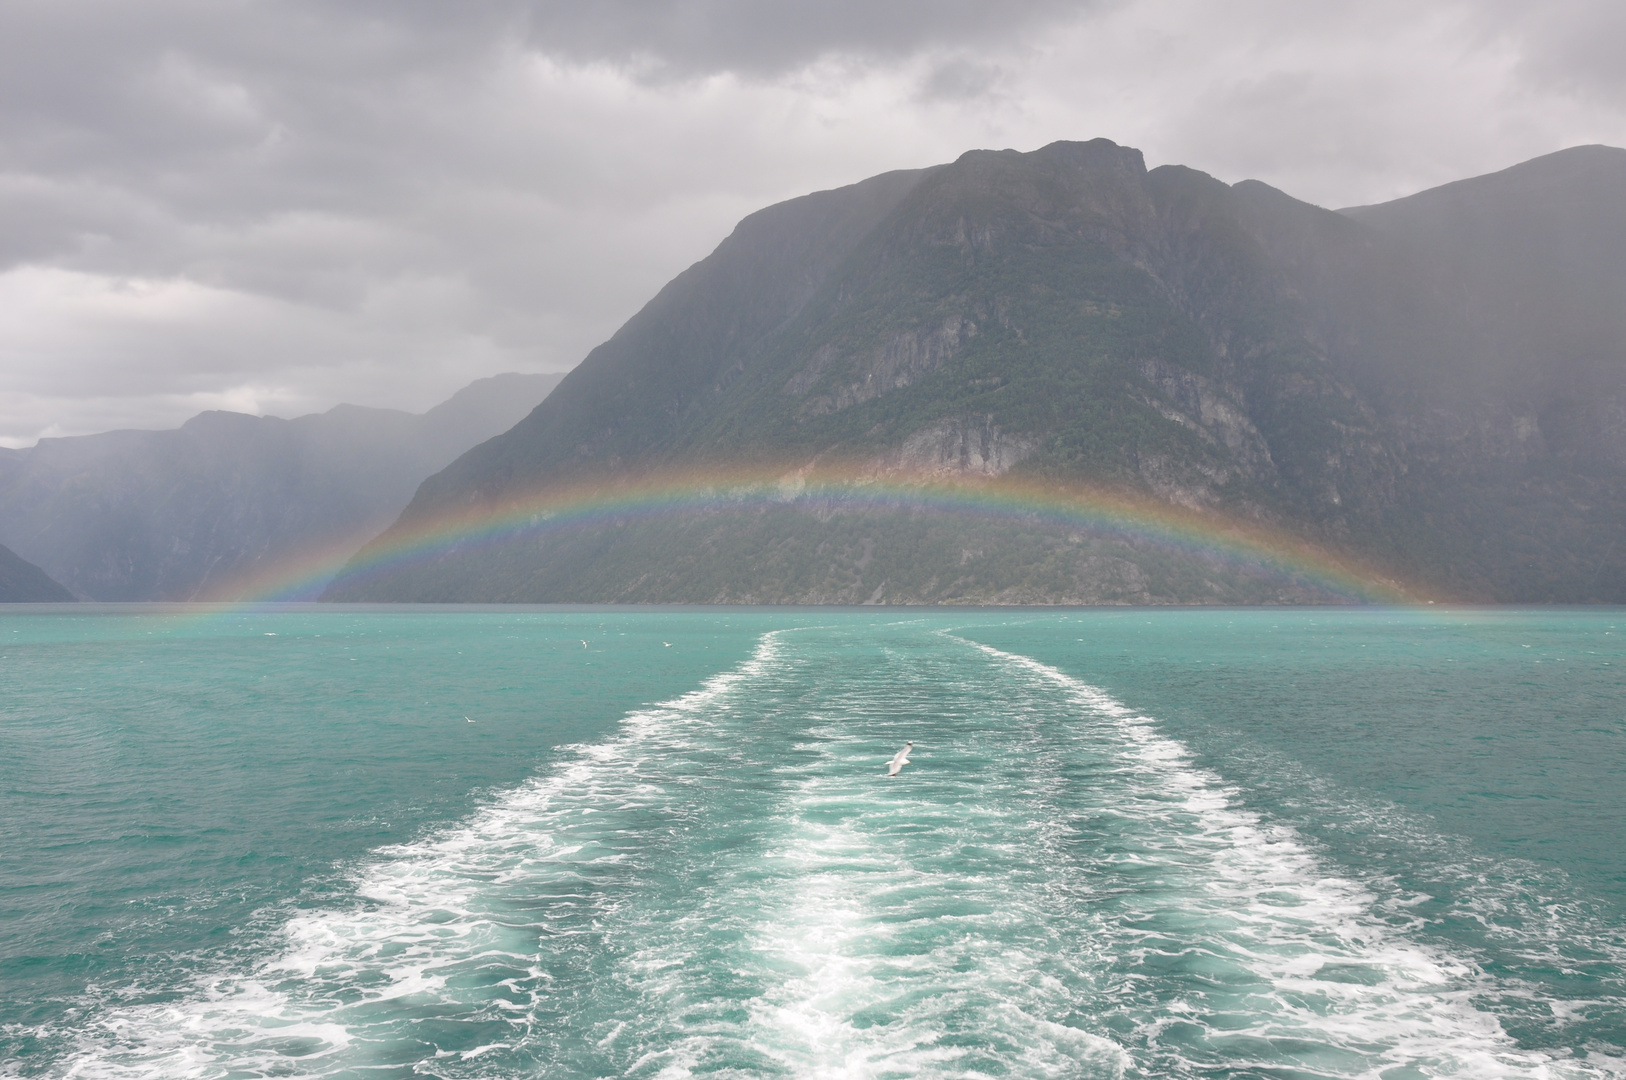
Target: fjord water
x=580 y=843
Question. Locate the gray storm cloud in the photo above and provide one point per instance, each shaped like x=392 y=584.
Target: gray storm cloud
x=274 y=208
x=767 y=38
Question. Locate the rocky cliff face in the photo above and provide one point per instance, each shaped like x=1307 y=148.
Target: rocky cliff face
x=1434 y=385
x=955 y=447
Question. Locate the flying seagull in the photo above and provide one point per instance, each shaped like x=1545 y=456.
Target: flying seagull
x=899 y=760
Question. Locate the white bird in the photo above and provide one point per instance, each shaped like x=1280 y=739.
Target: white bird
x=668 y=644
x=470 y=721
x=899 y=760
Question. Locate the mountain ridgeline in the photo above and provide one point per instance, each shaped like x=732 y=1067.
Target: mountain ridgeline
x=226 y=502
x=1433 y=387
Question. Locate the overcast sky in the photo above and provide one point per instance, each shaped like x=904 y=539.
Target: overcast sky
x=275 y=207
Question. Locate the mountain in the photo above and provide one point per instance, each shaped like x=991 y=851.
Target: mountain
x=21 y=582
x=1433 y=389
x=228 y=502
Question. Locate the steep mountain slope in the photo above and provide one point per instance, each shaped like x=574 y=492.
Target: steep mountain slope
x=1359 y=379
x=21 y=582
x=191 y=513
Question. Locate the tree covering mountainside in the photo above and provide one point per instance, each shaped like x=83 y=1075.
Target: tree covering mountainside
x=1433 y=389
x=21 y=582
x=212 y=509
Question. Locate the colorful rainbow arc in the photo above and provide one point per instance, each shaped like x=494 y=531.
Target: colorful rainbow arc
x=1094 y=512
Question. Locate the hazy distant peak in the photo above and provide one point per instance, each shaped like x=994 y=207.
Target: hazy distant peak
x=219 y=419
x=494 y=403
x=1557 y=173
x=494 y=387
x=345 y=409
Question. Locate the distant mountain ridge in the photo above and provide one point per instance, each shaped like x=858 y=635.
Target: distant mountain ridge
x=195 y=512
x=1436 y=386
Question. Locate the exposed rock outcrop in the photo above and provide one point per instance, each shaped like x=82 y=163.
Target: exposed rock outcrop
x=960 y=446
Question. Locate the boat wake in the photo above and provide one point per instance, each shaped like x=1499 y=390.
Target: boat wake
x=731 y=886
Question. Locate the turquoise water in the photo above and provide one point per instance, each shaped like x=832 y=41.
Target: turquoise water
x=321 y=841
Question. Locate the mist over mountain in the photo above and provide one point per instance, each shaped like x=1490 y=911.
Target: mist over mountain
x=21 y=582
x=195 y=512
x=1434 y=386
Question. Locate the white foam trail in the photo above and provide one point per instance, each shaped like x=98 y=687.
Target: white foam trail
x=871 y=928
x=434 y=913
x=1299 y=955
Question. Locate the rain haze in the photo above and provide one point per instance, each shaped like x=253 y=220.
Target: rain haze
x=275 y=208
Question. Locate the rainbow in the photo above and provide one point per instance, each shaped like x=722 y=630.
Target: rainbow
x=1095 y=512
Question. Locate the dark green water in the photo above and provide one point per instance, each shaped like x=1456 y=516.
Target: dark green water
x=532 y=842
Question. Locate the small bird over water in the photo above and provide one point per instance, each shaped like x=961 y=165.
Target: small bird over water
x=899 y=760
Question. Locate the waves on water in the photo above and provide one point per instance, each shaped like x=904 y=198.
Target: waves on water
x=731 y=887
